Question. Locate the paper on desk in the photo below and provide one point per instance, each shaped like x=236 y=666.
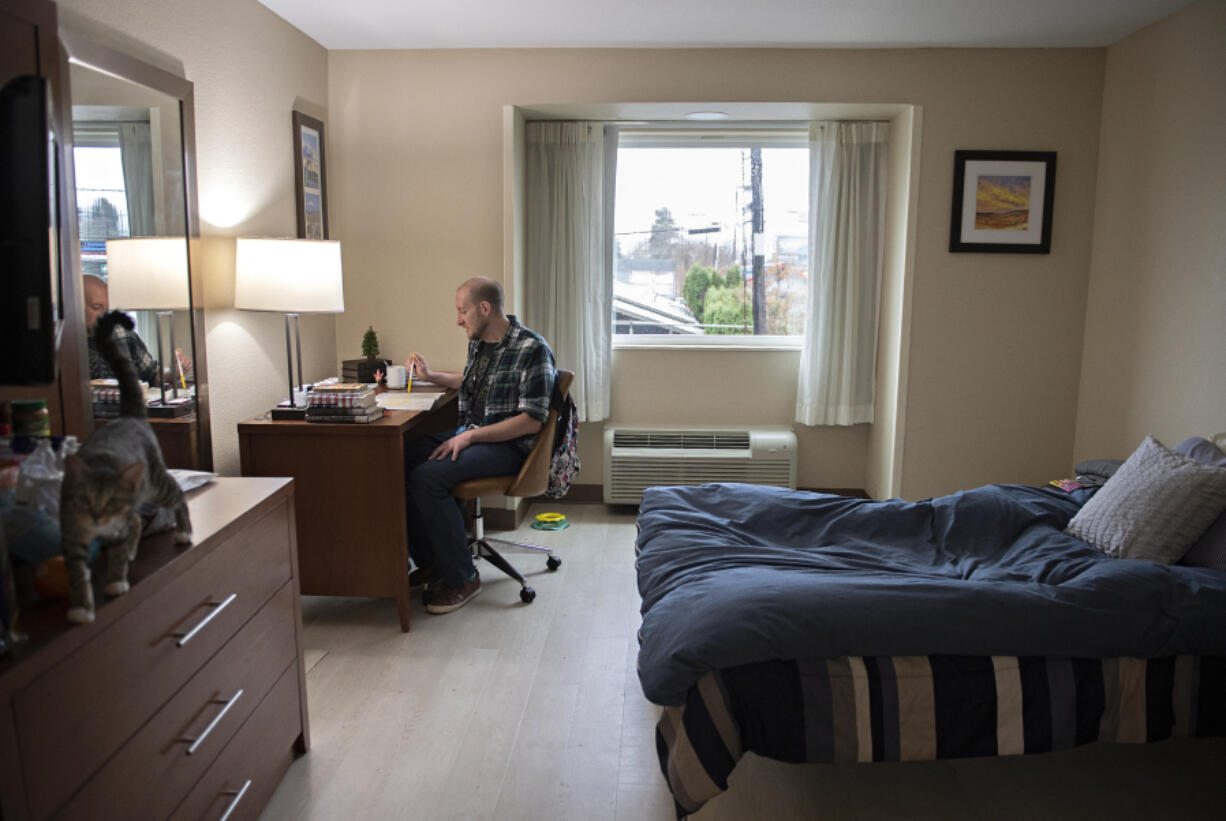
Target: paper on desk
x=191 y=479
x=414 y=401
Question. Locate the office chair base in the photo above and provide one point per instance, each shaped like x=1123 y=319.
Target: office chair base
x=482 y=549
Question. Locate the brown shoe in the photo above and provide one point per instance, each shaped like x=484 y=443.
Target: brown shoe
x=447 y=598
x=421 y=577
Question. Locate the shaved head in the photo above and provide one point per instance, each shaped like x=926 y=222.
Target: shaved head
x=484 y=289
x=478 y=305
x=97 y=299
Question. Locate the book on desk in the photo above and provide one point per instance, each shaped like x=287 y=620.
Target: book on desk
x=342 y=402
x=104 y=396
x=362 y=370
x=335 y=398
x=360 y=417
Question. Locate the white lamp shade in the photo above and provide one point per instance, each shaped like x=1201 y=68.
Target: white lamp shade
x=147 y=274
x=289 y=276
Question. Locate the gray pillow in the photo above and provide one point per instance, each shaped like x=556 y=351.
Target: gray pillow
x=1202 y=450
x=1154 y=507
x=1210 y=549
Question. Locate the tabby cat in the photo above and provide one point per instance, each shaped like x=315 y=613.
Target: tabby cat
x=105 y=482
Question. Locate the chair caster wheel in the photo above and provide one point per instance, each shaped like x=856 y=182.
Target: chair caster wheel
x=527 y=595
x=553 y=563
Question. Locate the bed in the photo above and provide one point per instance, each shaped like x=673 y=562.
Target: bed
x=816 y=628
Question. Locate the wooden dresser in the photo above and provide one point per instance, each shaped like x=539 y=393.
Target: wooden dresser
x=186 y=698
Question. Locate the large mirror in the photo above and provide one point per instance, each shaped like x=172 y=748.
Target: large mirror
x=134 y=173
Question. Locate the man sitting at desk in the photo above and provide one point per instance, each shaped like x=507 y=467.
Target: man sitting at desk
x=97 y=303
x=504 y=401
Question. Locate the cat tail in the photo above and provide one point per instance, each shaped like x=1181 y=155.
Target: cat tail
x=131 y=396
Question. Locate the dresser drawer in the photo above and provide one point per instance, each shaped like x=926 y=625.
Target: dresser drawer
x=152 y=773
x=245 y=775
x=66 y=728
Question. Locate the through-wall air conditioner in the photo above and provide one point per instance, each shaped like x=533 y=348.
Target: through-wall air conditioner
x=636 y=458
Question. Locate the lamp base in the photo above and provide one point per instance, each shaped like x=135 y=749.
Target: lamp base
x=286 y=413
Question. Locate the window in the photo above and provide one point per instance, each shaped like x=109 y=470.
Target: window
x=711 y=236
x=102 y=202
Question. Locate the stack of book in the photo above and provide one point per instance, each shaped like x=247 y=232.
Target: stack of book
x=342 y=402
x=104 y=394
x=362 y=370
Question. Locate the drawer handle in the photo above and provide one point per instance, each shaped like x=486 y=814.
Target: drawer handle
x=198 y=740
x=238 y=796
x=184 y=638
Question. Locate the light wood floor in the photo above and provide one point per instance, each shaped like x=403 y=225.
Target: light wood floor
x=508 y=711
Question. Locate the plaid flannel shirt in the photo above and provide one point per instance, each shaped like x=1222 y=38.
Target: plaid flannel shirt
x=146 y=366
x=520 y=379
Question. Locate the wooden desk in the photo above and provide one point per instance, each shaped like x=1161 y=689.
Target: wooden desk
x=350 y=494
x=177 y=437
x=178 y=440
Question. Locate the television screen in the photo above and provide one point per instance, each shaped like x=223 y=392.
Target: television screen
x=30 y=319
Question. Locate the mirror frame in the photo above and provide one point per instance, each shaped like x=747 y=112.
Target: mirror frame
x=80 y=49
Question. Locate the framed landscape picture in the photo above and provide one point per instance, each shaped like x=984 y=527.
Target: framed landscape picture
x=310 y=186
x=1002 y=202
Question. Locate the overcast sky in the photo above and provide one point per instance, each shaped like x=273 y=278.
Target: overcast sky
x=700 y=186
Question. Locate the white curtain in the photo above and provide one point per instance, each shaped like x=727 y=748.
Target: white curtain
x=136 y=154
x=568 y=287
x=847 y=185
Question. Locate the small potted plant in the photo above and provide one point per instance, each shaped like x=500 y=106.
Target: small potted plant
x=370 y=367
x=370 y=343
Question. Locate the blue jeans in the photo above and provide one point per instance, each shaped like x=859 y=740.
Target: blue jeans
x=435 y=517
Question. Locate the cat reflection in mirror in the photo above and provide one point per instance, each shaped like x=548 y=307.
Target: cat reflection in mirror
x=106 y=481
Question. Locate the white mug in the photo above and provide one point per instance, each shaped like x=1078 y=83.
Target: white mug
x=396 y=376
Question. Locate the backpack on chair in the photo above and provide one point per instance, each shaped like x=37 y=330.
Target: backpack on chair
x=564 y=458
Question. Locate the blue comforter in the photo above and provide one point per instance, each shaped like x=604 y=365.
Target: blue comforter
x=734 y=574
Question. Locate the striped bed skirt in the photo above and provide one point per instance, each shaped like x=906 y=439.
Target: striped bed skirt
x=915 y=708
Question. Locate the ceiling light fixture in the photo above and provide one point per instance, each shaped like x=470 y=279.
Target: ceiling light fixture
x=707 y=115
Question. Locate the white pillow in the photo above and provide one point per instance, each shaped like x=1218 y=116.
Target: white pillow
x=1155 y=506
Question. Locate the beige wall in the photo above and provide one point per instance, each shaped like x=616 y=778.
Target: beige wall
x=1155 y=338
x=249 y=69
x=416 y=180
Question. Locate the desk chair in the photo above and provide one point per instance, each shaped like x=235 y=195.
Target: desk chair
x=532 y=479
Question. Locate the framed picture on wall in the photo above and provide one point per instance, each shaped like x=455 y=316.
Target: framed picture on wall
x=310 y=186
x=1002 y=202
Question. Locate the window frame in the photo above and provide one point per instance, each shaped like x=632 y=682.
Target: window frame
x=695 y=135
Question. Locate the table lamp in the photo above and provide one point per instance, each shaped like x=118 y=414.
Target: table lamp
x=289 y=276
x=150 y=274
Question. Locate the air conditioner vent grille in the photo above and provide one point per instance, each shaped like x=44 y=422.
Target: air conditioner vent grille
x=683 y=440
x=639 y=458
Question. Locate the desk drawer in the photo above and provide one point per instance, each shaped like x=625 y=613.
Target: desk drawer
x=154 y=771
x=73 y=717
x=246 y=774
